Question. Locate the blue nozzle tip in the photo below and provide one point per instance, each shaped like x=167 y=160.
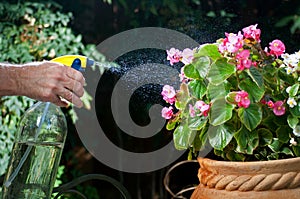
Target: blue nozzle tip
x=89 y=62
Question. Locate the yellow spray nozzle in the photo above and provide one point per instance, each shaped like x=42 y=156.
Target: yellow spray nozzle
x=79 y=62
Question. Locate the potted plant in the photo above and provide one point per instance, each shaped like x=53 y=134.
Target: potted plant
x=242 y=100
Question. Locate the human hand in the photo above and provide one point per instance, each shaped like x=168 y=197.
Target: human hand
x=51 y=82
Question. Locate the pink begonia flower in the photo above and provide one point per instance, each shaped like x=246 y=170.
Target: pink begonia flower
x=242 y=99
x=277 y=47
x=222 y=46
x=192 y=111
x=187 y=56
x=204 y=108
x=174 y=55
x=169 y=94
x=243 y=60
x=167 y=113
x=182 y=76
x=251 y=32
x=270 y=104
x=232 y=43
x=279 y=108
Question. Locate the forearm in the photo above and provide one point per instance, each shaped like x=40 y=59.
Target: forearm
x=8 y=79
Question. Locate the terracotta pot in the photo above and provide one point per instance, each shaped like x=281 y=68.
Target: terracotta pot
x=276 y=179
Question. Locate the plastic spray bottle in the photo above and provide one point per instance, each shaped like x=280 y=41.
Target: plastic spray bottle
x=38 y=146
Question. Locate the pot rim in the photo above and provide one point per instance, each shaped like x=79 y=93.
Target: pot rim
x=290 y=164
x=264 y=162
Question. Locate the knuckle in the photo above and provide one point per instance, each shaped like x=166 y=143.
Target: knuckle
x=47 y=94
x=79 y=89
x=81 y=92
x=69 y=95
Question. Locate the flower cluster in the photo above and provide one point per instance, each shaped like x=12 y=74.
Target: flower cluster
x=240 y=98
x=175 y=56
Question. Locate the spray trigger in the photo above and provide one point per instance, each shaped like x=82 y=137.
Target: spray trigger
x=77 y=65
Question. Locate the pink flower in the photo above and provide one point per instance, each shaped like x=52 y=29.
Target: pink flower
x=232 y=43
x=270 y=104
x=242 y=99
x=174 y=55
x=167 y=113
x=204 y=108
x=192 y=111
x=251 y=32
x=169 y=94
x=187 y=56
x=243 y=60
x=278 y=108
x=182 y=77
x=277 y=47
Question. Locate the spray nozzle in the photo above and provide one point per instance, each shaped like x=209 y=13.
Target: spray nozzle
x=78 y=62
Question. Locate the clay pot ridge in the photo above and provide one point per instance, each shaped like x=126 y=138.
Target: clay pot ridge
x=274 y=179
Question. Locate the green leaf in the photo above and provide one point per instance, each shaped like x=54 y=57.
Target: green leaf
x=198 y=88
x=220 y=111
x=197 y=143
x=210 y=50
x=215 y=92
x=234 y=156
x=183 y=137
x=230 y=97
x=203 y=139
x=265 y=136
x=220 y=136
x=284 y=21
x=292 y=121
x=295 y=111
x=255 y=92
x=275 y=145
x=247 y=141
x=220 y=70
x=283 y=133
x=202 y=65
x=256 y=76
x=294 y=90
x=296 y=150
x=287 y=151
x=182 y=96
x=287 y=78
x=153 y=10
x=171 y=125
x=273 y=156
x=197 y=123
x=251 y=116
x=296 y=25
x=191 y=72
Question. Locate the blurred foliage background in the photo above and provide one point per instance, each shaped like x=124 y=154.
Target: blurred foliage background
x=42 y=30
x=33 y=31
